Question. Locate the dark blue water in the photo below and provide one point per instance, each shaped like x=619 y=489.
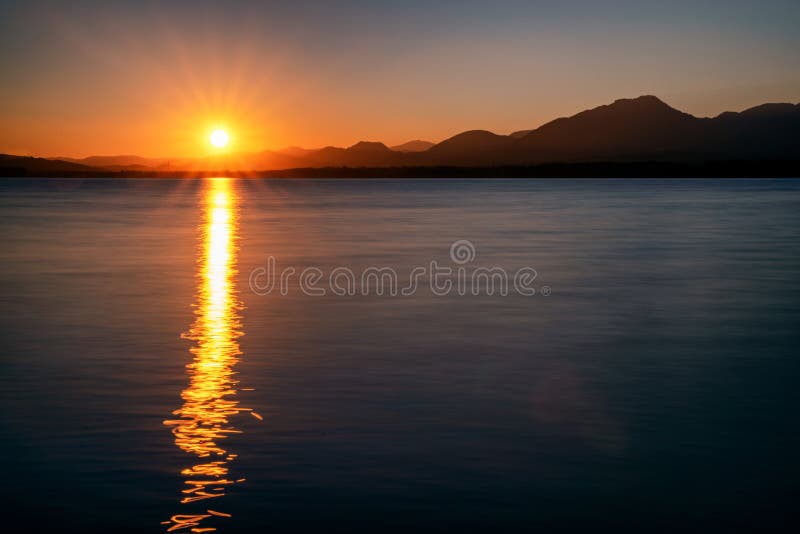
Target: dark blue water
x=653 y=389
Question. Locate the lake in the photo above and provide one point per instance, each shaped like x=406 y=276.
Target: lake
x=640 y=376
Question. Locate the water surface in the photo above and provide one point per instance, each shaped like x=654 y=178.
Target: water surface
x=145 y=384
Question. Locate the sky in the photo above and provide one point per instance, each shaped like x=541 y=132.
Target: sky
x=155 y=78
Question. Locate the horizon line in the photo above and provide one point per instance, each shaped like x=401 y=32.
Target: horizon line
x=418 y=138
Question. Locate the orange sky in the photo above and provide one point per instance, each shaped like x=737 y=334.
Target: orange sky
x=155 y=79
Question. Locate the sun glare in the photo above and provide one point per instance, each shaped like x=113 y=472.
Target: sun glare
x=219 y=138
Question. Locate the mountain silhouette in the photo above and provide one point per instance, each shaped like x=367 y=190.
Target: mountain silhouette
x=643 y=129
x=627 y=128
x=119 y=162
x=635 y=129
x=417 y=145
x=361 y=154
x=475 y=147
x=296 y=151
x=27 y=164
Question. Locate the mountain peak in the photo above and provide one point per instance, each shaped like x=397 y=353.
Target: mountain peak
x=369 y=146
x=473 y=135
x=644 y=101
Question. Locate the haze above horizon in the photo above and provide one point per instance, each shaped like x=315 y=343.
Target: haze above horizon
x=81 y=79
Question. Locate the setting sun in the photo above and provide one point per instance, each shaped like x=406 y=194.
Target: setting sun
x=219 y=138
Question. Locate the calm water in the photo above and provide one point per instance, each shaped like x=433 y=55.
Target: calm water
x=144 y=383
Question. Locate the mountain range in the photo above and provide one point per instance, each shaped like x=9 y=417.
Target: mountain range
x=627 y=130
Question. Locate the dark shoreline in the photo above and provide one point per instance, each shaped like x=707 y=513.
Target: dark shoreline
x=711 y=169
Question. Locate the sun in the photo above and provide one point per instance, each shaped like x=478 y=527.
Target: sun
x=219 y=138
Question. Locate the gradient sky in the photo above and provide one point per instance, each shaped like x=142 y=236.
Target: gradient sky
x=82 y=78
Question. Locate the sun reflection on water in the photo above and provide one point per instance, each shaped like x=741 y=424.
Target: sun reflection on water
x=210 y=400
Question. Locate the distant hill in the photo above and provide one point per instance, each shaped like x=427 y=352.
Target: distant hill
x=14 y=165
x=641 y=129
x=124 y=161
x=628 y=128
x=362 y=154
x=296 y=151
x=475 y=147
x=413 y=146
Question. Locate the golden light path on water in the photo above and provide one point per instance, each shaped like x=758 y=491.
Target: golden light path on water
x=210 y=400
